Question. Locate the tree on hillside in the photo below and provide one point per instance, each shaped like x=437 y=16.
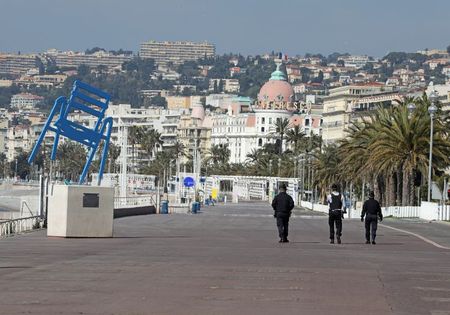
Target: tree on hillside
x=159 y=101
x=93 y=50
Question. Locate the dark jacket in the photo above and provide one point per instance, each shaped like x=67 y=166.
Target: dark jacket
x=283 y=205
x=371 y=207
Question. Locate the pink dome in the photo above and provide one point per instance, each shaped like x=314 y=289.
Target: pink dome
x=276 y=91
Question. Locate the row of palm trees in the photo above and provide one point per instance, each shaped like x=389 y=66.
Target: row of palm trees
x=287 y=156
x=387 y=152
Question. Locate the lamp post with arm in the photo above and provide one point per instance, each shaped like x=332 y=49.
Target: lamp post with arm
x=432 y=109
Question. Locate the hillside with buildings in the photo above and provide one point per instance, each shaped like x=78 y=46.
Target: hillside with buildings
x=227 y=113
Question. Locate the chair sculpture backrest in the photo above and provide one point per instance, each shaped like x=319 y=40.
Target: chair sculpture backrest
x=89 y=100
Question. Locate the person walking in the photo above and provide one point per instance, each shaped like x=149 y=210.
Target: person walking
x=372 y=211
x=283 y=204
x=335 y=214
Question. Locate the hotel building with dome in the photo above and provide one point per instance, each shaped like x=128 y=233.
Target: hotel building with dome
x=248 y=126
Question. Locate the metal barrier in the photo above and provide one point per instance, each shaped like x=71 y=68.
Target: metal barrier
x=17 y=226
x=134 y=201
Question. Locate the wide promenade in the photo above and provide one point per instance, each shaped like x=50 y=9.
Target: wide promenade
x=227 y=260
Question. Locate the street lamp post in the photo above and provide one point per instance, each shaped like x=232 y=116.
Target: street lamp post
x=270 y=168
x=431 y=110
x=15 y=171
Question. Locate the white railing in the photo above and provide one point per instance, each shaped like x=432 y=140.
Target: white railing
x=401 y=212
x=134 y=201
x=17 y=226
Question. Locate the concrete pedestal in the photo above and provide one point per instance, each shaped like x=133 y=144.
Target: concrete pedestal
x=80 y=211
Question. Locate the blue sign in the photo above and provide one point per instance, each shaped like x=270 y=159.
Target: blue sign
x=189 y=182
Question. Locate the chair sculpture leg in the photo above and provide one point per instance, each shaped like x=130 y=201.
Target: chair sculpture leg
x=108 y=124
x=57 y=134
x=88 y=164
x=60 y=101
x=55 y=147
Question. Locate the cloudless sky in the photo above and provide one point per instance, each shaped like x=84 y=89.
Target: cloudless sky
x=372 y=27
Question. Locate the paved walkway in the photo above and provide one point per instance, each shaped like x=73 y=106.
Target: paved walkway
x=225 y=260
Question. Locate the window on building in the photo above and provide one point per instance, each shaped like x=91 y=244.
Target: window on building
x=259 y=142
x=262 y=129
x=263 y=120
x=270 y=120
x=307 y=122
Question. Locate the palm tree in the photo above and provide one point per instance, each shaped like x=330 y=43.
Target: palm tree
x=3 y=162
x=388 y=148
x=159 y=164
x=403 y=143
x=113 y=153
x=281 y=125
x=134 y=135
x=295 y=136
x=179 y=149
x=219 y=154
x=326 y=165
x=150 y=138
x=72 y=157
x=254 y=155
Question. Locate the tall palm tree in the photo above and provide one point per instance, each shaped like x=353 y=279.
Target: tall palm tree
x=179 y=149
x=295 y=136
x=72 y=157
x=219 y=154
x=390 y=146
x=3 y=162
x=326 y=166
x=150 y=139
x=254 y=155
x=113 y=153
x=403 y=143
x=134 y=135
x=281 y=125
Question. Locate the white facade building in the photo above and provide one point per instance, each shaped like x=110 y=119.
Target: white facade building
x=244 y=131
x=25 y=101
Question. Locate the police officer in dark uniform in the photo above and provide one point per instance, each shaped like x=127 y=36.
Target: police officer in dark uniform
x=372 y=211
x=335 y=213
x=283 y=204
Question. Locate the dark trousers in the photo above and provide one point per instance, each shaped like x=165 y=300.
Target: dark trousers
x=283 y=227
x=335 y=218
x=371 y=224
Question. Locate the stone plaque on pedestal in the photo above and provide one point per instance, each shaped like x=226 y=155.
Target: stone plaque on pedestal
x=80 y=211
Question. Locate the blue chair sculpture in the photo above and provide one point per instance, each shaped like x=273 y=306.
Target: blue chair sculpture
x=86 y=99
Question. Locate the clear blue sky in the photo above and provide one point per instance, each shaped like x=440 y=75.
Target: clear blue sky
x=372 y=27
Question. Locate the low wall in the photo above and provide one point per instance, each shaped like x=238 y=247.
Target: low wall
x=127 y=212
x=314 y=206
x=427 y=211
x=402 y=212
